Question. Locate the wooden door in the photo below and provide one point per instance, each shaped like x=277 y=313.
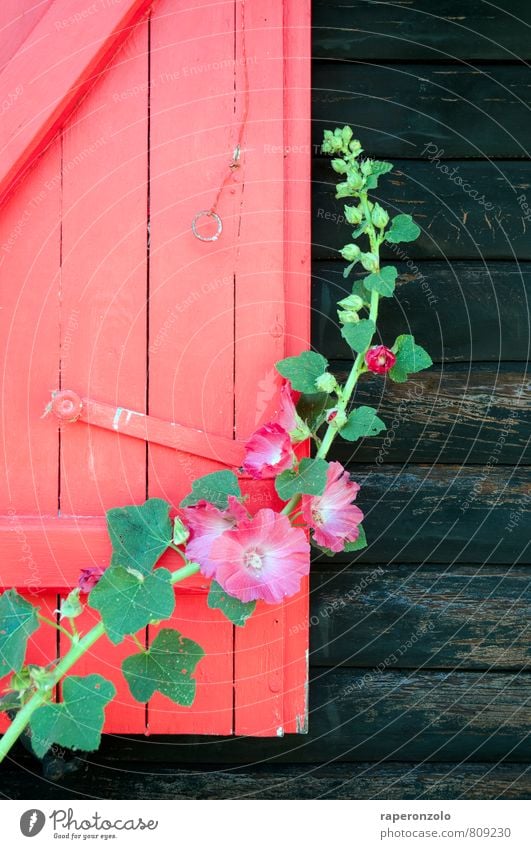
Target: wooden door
x=108 y=294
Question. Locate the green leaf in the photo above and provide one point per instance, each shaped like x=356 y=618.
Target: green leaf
x=77 y=721
x=235 y=610
x=166 y=667
x=308 y=479
x=382 y=281
x=303 y=370
x=362 y=422
x=140 y=534
x=215 y=488
x=359 y=335
x=402 y=229
x=378 y=167
x=18 y=621
x=410 y=358
x=9 y=702
x=128 y=600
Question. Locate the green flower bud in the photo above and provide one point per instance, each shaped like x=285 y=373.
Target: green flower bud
x=71 y=606
x=326 y=382
x=369 y=262
x=366 y=167
x=180 y=532
x=351 y=253
x=339 y=166
x=355 y=180
x=352 y=302
x=348 y=316
x=343 y=190
x=337 y=418
x=379 y=216
x=355 y=147
x=346 y=135
x=353 y=214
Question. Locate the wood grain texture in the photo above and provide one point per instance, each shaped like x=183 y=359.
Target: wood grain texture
x=336 y=781
x=398 y=110
x=442 y=514
x=361 y=715
x=419 y=30
x=460 y=311
x=450 y=414
x=466 y=617
x=481 y=219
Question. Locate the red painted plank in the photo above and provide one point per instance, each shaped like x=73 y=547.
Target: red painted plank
x=54 y=67
x=191 y=352
x=17 y=19
x=103 y=281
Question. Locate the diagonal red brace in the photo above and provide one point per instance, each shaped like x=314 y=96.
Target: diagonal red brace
x=68 y=406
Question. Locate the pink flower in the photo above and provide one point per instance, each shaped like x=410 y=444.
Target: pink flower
x=263 y=558
x=207 y=523
x=287 y=416
x=379 y=359
x=88 y=578
x=268 y=452
x=332 y=516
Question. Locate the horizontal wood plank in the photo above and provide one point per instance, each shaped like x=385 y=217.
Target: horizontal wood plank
x=450 y=414
x=336 y=781
x=442 y=514
x=419 y=29
x=406 y=617
x=405 y=110
x=460 y=311
x=480 y=218
x=362 y=715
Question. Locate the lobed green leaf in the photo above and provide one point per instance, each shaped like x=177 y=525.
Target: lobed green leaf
x=215 y=488
x=308 y=479
x=236 y=611
x=18 y=621
x=362 y=422
x=410 y=358
x=166 y=667
x=402 y=229
x=359 y=335
x=302 y=371
x=140 y=534
x=382 y=281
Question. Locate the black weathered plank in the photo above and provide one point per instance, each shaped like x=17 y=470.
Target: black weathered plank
x=481 y=219
x=406 y=617
x=363 y=716
x=442 y=514
x=414 y=110
x=337 y=781
x=454 y=414
x=420 y=29
x=460 y=311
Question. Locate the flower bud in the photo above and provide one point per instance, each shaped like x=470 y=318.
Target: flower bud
x=339 y=166
x=355 y=180
x=353 y=214
x=369 y=262
x=352 y=302
x=348 y=317
x=336 y=417
x=379 y=359
x=355 y=147
x=346 y=135
x=351 y=253
x=366 y=167
x=180 y=532
x=379 y=216
x=326 y=382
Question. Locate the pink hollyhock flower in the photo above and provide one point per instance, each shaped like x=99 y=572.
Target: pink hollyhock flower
x=268 y=452
x=264 y=557
x=332 y=516
x=379 y=359
x=88 y=578
x=207 y=523
x=287 y=416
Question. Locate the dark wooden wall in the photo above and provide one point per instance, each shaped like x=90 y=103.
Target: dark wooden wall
x=420 y=646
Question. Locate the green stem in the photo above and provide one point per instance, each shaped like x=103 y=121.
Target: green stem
x=55 y=625
x=77 y=650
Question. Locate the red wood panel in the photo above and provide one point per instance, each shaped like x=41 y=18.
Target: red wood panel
x=191 y=351
x=103 y=308
x=17 y=19
x=272 y=319
x=52 y=70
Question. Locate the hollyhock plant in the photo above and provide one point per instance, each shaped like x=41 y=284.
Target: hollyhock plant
x=89 y=577
x=206 y=523
x=379 y=359
x=268 y=452
x=264 y=557
x=332 y=516
x=246 y=558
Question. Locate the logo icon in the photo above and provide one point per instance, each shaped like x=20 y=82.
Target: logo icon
x=32 y=822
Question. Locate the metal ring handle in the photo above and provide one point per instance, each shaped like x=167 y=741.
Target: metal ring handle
x=207 y=213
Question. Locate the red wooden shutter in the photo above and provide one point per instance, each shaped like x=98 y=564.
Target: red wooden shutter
x=111 y=296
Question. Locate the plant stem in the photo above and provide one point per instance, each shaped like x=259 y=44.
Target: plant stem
x=77 y=650
x=55 y=625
